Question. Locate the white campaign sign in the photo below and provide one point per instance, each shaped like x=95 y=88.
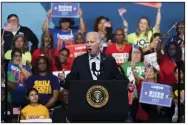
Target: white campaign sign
x=152 y=59
x=121 y=57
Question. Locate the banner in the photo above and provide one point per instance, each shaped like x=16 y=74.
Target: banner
x=76 y=50
x=152 y=59
x=62 y=9
x=149 y=4
x=155 y=94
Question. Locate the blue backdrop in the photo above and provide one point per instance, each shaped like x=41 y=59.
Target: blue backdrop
x=34 y=14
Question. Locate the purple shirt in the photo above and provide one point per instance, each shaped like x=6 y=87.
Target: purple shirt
x=45 y=86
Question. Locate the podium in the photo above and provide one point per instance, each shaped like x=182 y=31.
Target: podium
x=98 y=101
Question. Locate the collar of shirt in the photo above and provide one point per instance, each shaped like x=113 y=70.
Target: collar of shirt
x=95 y=57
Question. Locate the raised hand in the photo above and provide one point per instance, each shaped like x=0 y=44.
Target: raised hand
x=49 y=13
x=159 y=5
x=80 y=12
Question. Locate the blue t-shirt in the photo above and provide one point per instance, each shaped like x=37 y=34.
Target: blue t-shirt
x=61 y=38
x=18 y=95
x=45 y=86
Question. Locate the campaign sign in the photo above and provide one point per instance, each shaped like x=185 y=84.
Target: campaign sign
x=63 y=9
x=155 y=94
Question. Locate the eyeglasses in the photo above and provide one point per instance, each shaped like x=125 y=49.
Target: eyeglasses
x=13 y=20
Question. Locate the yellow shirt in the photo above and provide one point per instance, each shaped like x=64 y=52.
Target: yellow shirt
x=141 y=40
x=25 y=56
x=34 y=112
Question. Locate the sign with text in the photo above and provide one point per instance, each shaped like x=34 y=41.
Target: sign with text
x=76 y=50
x=120 y=57
x=155 y=94
x=149 y=4
x=63 y=9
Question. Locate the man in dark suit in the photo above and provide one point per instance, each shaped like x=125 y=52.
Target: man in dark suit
x=94 y=65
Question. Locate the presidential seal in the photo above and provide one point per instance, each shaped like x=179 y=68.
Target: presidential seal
x=97 y=96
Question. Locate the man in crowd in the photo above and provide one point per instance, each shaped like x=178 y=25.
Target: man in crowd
x=13 y=28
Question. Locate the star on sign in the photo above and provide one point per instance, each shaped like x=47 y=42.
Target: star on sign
x=74 y=8
x=55 y=8
x=166 y=96
x=146 y=93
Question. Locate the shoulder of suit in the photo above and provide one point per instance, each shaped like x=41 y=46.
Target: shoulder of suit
x=81 y=57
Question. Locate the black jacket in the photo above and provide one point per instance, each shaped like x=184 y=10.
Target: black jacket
x=30 y=36
x=81 y=69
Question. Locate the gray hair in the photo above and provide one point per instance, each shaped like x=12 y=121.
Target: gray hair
x=96 y=35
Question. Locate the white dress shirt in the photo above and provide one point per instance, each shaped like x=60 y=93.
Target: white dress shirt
x=97 y=60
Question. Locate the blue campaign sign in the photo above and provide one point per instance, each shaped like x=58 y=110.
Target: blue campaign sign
x=62 y=9
x=155 y=94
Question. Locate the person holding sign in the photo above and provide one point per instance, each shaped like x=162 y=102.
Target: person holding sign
x=65 y=35
x=120 y=49
x=61 y=62
x=20 y=42
x=47 y=48
x=34 y=110
x=143 y=34
x=146 y=112
x=48 y=85
x=105 y=31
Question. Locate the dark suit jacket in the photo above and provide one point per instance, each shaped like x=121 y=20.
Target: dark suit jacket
x=81 y=69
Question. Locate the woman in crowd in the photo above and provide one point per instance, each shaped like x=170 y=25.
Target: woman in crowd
x=106 y=32
x=180 y=36
x=45 y=82
x=20 y=73
x=46 y=49
x=62 y=62
x=175 y=109
x=120 y=49
x=145 y=112
x=20 y=42
x=65 y=35
x=143 y=34
x=137 y=57
x=79 y=38
x=155 y=39
x=34 y=110
x=167 y=63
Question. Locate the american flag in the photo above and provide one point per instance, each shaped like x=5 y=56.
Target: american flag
x=107 y=24
x=10 y=27
x=122 y=11
x=16 y=111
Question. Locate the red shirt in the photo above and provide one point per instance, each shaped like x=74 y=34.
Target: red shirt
x=65 y=67
x=141 y=114
x=121 y=55
x=166 y=74
x=38 y=53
